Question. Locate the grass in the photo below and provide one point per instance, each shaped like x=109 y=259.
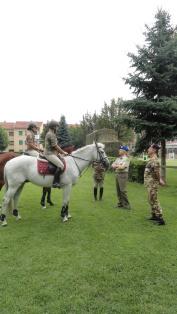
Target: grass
x=105 y=260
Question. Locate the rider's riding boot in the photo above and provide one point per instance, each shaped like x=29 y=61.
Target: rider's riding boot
x=101 y=193
x=56 y=178
x=95 y=193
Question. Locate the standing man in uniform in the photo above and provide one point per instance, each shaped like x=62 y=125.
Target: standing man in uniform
x=121 y=167
x=152 y=180
x=53 y=150
x=98 y=177
x=32 y=148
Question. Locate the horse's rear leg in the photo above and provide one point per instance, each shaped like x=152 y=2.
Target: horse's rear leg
x=65 y=206
x=6 y=200
x=16 y=199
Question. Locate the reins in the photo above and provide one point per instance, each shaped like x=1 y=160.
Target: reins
x=98 y=154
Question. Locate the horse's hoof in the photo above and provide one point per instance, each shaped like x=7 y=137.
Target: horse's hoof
x=69 y=216
x=65 y=219
x=4 y=223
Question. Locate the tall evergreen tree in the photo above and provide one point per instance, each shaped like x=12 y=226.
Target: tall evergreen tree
x=153 y=112
x=63 y=136
x=3 y=139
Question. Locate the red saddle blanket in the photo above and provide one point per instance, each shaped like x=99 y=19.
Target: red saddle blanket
x=47 y=168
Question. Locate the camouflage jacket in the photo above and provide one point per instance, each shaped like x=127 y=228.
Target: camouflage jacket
x=30 y=139
x=99 y=171
x=152 y=173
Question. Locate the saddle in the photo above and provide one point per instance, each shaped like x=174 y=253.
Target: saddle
x=45 y=167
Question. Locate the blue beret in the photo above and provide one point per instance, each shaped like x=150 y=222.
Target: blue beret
x=124 y=148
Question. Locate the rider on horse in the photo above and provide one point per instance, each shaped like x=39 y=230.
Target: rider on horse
x=53 y=150
x=32 y=148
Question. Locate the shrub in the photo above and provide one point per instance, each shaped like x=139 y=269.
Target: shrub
x=136 y=170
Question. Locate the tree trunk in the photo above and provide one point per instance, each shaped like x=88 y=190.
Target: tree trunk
x=163 y=160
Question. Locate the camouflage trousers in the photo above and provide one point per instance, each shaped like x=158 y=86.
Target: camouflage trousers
x=153 y=201
x=98 y=183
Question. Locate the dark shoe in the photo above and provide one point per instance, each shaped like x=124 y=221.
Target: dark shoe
x=153 y=217
x=161 y=221
x=50 y=203
x=42 y=204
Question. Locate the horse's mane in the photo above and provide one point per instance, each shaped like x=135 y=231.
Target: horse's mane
x=80 y=150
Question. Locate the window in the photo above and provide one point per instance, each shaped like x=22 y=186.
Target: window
x=11 y=133
x=20 y=132
x=20 y=142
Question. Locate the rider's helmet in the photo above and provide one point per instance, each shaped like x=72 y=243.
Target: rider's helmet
x=53 y=124
x=31 y=126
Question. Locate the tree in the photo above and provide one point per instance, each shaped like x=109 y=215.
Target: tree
x=111 y=117
x=63 y=136
x=3 y=139
x=153 y=113
x=77 y=136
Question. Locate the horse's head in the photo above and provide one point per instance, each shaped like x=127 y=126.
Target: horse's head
x=101 y=155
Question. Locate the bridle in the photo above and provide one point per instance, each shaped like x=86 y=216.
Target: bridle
x=100 y=159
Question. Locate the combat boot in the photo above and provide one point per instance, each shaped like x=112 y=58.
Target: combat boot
x=153 y=217
x=160 y=221
x=101 y=194
x=95 y=193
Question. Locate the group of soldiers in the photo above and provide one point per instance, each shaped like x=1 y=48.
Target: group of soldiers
x=152 y=177
x=152 y=180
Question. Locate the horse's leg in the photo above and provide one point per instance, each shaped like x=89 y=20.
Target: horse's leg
x=16 y=198
x=65 y=205
x=6 y=199
x=49 y=201
x=44 y=192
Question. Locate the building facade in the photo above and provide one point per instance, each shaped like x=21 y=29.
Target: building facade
x=17 y=134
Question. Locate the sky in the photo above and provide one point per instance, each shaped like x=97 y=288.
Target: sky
x=68 y=57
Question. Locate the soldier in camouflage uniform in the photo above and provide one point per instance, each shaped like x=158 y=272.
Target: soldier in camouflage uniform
x=98 y=177
x=52 y=151
x=32 y=148
x=152 y=180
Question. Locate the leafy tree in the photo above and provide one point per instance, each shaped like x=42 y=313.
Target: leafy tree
x=153 y=113
x=111 y=117
x=3 y=139
x=63 y=135
x=77 y=136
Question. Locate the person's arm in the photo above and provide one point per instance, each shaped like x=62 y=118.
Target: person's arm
x=31 y=145
x=60 y=151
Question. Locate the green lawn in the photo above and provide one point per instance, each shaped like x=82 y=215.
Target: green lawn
x=105 y=260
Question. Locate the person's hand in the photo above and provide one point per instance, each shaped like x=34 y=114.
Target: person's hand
x=161 y=182
x=41 y=151
x=65 y=154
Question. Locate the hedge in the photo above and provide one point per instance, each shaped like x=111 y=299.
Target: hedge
x=136 y=170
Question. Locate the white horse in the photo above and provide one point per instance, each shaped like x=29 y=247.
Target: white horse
x=22 y=169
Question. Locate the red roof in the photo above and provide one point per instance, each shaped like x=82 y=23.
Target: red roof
x=18 y=124
x=7 y=125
